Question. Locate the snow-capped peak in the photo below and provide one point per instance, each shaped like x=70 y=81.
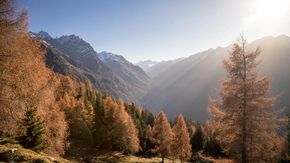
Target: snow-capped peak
x=107 y=56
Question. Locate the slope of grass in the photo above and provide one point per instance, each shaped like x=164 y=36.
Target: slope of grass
x=214 y=160
x=92 y=155
x=118 y=157
x=12 y=152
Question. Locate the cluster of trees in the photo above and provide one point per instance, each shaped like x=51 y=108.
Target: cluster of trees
x=50 y=112
x=170 y=141
x=45 y=110
x=107 y=121
x=128 y=128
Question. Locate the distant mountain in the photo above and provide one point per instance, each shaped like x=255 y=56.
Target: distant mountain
x=72 y=56
x=153 y=68
x=133 y=75
x=161 y=67
x=146 y=65
x=184 y=87
x=59 y=63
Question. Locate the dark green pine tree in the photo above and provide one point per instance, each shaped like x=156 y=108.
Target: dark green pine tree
x=99 y=124
x=197 y=139
x=34 y=137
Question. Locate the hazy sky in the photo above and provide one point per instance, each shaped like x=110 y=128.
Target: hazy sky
x=159 y=29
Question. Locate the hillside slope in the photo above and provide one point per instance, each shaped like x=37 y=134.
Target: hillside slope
x=185 y=86
x=72 y=56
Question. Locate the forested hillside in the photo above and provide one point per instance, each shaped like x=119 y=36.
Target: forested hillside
x=50 y=112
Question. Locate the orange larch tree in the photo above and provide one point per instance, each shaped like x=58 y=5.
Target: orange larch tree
x=247 y=126
x=181 y=147
x=25 y=80
x=121 y=132
x=162 y=135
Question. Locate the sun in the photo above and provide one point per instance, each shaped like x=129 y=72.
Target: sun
x=272 y=9
x=267 y=16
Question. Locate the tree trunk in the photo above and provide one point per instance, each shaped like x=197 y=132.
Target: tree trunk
x=244 y=119
x=162 y=161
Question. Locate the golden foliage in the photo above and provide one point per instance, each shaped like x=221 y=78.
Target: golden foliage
x=181 y=147
x=241 y=118
x=162 y=135
x=25 y=80
x=122 y=133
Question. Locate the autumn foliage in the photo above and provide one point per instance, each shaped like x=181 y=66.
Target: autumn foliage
x=181 y=147
x=242 y=116
x=122 y=132
x=71 y=114
x=25 y=80
x=162 y=135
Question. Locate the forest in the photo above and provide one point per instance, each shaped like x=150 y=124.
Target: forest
x=53 y=114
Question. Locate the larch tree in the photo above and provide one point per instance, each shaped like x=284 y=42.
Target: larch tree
x=25 y=80
x=162 y=135
x=243 y=113
x=12 y=30
x=181 y=147
x=148 y=145
x=148 y=132
x=132 y=136
x=121 y=132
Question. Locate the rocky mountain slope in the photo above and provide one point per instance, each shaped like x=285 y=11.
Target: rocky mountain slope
x=72 y=56
x=133 y=75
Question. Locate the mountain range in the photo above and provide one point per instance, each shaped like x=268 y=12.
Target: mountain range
x=185 y=86
x=176 y=86
x=146 y=65
x=153 y=68
x=108 y=72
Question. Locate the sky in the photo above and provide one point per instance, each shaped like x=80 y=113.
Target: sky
x=159 y=29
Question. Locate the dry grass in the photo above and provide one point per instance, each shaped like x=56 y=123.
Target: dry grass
x=87 y=155
x=211 y=159
x=93 y=155
x=120 y=158
x=15 y=152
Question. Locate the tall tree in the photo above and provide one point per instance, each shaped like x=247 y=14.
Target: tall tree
x=243 y=109
x=181 y=141
x=12 y=29
x=162 y=135
x=148 y=142
x=121 y=132
x=25 y=80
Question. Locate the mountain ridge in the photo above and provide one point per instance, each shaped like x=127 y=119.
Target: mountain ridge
x=84 y=64
x=184 y=87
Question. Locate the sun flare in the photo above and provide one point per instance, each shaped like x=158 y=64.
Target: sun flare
x=267 y=16
x=272 y=9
